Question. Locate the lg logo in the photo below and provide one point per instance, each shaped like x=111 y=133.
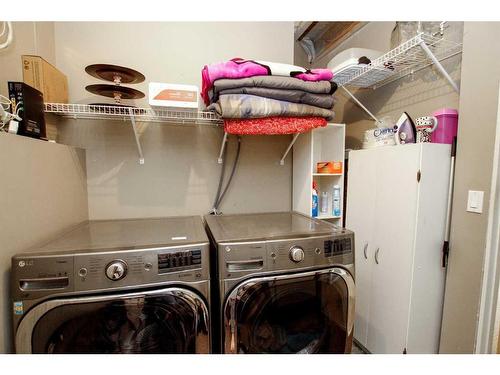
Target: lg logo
x=23 y=263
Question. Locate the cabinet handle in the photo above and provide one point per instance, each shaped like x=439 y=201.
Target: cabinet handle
x=364 y=250
x=376 y=255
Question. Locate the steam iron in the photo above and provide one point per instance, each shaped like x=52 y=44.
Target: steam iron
x=405 y=130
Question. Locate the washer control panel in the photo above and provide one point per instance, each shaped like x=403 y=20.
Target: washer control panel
x=140 y=267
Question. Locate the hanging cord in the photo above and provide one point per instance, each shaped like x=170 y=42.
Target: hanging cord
x=5 y=115
x=235 y=164
x=219 y=196
x=7 y=28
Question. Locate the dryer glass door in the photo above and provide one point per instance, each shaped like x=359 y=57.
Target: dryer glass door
x=173 y=320
x=300 y=313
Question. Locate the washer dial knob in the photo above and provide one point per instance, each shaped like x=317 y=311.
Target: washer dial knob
x=116 y=270
x=296 y=254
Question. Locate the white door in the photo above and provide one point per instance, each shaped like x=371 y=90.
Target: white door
x=393 y=242
x=360 y=219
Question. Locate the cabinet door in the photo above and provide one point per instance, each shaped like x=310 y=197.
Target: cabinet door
x=393 y=241
x=360 y=219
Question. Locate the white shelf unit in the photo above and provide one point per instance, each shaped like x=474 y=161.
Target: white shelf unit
x=321 y=144
x=411 y=56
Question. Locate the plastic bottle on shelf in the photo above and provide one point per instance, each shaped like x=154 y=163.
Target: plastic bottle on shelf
x=314 y=212
x=324 y=202
x=336 y=200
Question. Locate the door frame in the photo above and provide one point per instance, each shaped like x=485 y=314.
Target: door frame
x=488 y=318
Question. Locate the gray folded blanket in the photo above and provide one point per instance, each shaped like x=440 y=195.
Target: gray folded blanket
x=250 y=106
x=294 y=96
x=276 y=82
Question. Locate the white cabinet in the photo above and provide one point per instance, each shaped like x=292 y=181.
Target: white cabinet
x=321 y=144
x=396 y=206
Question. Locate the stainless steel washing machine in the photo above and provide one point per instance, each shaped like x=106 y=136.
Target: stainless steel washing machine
x=117 y=286
x=285 y=284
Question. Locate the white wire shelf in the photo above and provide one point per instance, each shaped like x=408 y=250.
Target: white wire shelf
x=403 y=60
x=105 y=112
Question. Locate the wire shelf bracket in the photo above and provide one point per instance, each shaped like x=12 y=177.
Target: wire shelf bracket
x=295 y=136
x=360 y=104
x=137 y=141
x=413 y=55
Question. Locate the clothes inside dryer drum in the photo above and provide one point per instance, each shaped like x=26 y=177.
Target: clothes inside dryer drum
x=303 y=315
x=147 y=324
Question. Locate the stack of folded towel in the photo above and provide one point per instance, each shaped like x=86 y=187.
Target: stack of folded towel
x=257 y=97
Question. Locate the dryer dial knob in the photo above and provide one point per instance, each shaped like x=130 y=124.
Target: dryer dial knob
x=116 y=270
x=297 y=254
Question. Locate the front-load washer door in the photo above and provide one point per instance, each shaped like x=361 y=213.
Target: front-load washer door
x=310 y=312
x=173 y=320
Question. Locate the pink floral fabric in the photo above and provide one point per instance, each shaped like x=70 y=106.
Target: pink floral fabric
x=272 y=125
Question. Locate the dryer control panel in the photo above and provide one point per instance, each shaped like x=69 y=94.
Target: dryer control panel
x=244 y=258
x=337 y=246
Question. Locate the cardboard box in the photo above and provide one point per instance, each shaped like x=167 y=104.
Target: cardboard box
x=329 y=167
x=173 y=95
x=44 y=77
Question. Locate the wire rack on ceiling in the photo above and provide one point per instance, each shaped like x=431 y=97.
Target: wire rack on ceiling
x=407 y=58
x=105 y=112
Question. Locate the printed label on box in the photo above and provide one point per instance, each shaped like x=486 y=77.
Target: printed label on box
x=177 y=95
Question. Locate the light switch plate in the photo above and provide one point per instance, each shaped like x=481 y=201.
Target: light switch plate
x=475 y=201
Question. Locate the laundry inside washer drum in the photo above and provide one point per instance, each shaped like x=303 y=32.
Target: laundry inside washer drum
x=135 y=325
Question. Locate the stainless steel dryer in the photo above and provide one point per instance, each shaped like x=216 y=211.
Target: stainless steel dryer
x=118 y=286
x=285 y=284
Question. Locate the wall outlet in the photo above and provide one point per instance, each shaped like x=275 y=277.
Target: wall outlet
x=475 y=201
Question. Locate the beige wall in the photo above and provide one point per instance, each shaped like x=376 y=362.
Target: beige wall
x=44 y=191
x=180 y=173
x=35 y=38
x=477 y=124
x=44 y=186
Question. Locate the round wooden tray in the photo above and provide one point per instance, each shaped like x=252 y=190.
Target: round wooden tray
x=114 y=91
x=115 y=73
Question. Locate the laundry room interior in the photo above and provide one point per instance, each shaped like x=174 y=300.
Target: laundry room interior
x=255 y=187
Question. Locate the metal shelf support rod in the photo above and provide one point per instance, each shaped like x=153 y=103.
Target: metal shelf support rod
x=222 y=148
x=438 y=65
x=139 y=148
x=295 y=136
x=360 y=104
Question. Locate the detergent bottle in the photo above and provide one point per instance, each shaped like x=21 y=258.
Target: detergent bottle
x=314 y=200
